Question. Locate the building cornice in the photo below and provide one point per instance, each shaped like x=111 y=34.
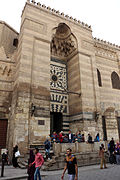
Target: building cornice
x=2 y=22
x=57 y=13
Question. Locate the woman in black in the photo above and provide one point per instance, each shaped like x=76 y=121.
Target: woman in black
x=31 y=169
x=14 y=159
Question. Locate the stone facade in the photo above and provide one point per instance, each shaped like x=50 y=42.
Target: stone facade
x=57 y=70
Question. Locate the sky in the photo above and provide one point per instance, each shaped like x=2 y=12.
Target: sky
x=102 y=15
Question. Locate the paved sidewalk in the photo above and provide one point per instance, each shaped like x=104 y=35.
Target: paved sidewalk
x=85 y=173
x=13 y=173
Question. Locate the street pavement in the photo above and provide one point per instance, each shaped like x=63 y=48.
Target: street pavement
x=13 y=173
x=84 y=173
x=89 y=173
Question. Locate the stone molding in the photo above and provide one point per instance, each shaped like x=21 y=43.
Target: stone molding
x=106 y=50
x=105 y=45
x=34 y=25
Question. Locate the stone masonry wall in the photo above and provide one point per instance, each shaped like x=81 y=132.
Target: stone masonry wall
x=31 y=86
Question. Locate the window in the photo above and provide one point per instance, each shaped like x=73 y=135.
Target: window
x=41 y=122
x=99 y=78
x=15 y=42
x=115 y=80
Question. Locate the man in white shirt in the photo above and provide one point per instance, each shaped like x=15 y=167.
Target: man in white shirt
x=70 y=137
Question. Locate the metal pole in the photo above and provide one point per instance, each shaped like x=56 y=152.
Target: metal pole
x=2 y=168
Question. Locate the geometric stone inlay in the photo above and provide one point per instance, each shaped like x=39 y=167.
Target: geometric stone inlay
x=58 y=77
x=58 y=102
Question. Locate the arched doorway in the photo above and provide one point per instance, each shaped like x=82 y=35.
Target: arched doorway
x=63 y=47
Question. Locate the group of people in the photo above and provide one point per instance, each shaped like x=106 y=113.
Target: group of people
x=114 y=151
x=67 y=138
x=34 y=164
x=36 y=160
x=71 y=137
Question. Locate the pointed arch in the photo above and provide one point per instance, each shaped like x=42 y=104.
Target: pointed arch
x=99 y=78
x=63 y=43
x=115 y=80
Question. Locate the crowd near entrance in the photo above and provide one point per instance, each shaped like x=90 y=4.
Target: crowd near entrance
x=56 y=119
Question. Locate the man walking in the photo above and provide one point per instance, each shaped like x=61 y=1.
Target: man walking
x=71 y=165
x=38 y=163
x=102 y=156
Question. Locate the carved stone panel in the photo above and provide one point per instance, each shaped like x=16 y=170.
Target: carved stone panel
x=5 y=70
x=59 y=102
x=63 y=47
x=58 y=77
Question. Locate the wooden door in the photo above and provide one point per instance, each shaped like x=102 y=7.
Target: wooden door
x=3 y=132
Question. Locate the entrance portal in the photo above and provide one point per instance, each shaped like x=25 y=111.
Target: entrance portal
x=56 y=119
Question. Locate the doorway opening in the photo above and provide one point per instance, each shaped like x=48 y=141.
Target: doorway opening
x=104 y=128
x=56 y=119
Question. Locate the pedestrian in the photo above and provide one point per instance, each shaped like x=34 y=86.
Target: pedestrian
x=38 y=163
x=111 y=149
x=16 y=154
x=102 y=156
x=61 y=136
x=117 y=153
x=79 y=136
x=112 y=146
x=47 y=148
x=70 y=137
x=97 y=139
x=83 y=138
x=71 y=165
x=54 y=137
x=31 y=169
x=90 y=139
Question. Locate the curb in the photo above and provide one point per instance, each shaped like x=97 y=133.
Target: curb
x=14 y=177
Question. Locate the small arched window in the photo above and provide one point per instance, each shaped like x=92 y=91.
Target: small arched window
x=15 y=42
x=115 y=80
x=99 y=78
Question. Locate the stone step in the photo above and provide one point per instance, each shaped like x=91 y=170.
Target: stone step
x=23 y=160
x=83 y=159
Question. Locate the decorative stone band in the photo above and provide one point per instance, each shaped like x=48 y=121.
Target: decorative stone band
x=82 y=116
x=58 y=61
x=105 y=43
